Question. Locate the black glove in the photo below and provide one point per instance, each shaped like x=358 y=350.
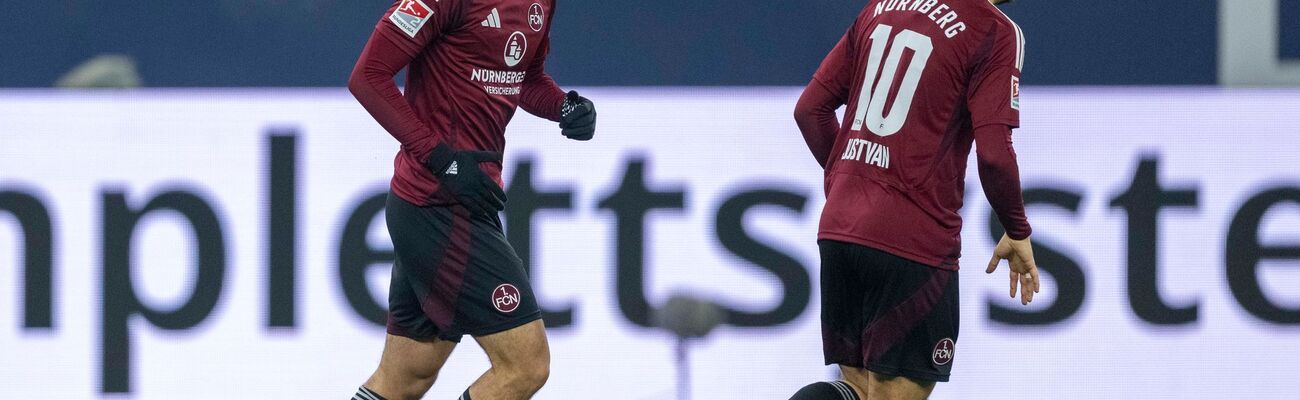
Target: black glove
x=578 y=117
x=458 y=173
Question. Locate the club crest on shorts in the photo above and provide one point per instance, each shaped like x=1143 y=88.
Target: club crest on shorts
x=943 y=352
x=506 y=298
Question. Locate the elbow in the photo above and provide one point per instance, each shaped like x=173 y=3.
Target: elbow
x=813 y=105
x=356 y=83
x=991 y=166
x=364 y=80
x=804 y=114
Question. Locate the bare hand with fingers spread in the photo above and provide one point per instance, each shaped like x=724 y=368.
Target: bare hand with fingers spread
x=1024 y=272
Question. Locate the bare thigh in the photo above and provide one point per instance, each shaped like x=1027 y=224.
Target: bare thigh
x=408 y=367
x=887 y=387
x=522 y=347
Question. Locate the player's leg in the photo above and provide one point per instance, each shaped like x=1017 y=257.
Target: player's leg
x=499 y=310
x=886 y=387
x=858 y=377
x=425 y=284
x=407 y=368
x=842 y=290
x=831 y=390
x=911 y=330
x=521 y=361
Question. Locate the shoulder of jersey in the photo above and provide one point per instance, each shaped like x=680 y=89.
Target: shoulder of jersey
x=1007 y=28
x=996 y=16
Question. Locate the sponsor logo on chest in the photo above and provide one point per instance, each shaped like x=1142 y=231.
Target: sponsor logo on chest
x=516 y=47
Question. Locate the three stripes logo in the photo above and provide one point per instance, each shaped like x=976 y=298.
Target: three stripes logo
x=493 y=20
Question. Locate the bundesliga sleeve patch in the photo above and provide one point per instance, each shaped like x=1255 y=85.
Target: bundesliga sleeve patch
x=1015 y=93
x=410 y=16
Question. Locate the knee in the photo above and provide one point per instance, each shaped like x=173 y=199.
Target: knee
x=535 y=376
x=402 y=384
x=529 y=376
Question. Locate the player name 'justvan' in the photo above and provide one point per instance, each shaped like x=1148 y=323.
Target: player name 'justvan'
x=940 y=13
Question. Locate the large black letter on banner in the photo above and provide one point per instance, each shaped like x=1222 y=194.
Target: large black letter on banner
x=1244 y=252
x=796 y=284
x=38 y=256
x=630 y=204
x=1143 y=201
x=119 y=298
x=281 y=228
x=356 y=257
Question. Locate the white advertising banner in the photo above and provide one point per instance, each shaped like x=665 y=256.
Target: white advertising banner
x=166 y=244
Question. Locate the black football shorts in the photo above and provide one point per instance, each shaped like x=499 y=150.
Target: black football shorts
x=455 y=274
x=887 y=314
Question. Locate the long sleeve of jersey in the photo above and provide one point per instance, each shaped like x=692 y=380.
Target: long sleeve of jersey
x=994 y=103
x=1000 y=177
x=388 y=51
x=815 y=115
x=540 y=95
x=815 y=111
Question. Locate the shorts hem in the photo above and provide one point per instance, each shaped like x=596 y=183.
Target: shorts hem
x=505 y=325
x=907 y=373
x=439 y=336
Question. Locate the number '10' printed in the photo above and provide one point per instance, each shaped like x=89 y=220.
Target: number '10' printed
x=871 y=102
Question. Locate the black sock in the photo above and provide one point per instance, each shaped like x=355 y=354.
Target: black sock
x=464 y=396
x=364 y=393
x=836 y=390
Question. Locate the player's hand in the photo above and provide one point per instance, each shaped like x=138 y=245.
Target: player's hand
x=578 y=117
x=1024 y=272
x=458 y=173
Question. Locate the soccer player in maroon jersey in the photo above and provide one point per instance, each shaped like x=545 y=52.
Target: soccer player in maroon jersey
x=470 y=64
x=922 y=80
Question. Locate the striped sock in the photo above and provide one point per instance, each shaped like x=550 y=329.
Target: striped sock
x=845 y=390
x=834 y=390
x=464 y=396
x=364 y=393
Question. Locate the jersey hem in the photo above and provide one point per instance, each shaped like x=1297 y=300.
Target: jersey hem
x=932 y=262
x=1008 y=122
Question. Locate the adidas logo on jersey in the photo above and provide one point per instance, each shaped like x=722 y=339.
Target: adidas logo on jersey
x=493 y=20
x=453 y=169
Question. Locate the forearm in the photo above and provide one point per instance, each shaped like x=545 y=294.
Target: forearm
x=1000 y=177
x=815 y=115
x=372 y=84
x=541 y=96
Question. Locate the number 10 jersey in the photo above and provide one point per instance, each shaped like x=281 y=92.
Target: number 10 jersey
x=918 y=77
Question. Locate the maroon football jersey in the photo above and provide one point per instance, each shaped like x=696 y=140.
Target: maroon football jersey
x=918 y=77
x=470 y=63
